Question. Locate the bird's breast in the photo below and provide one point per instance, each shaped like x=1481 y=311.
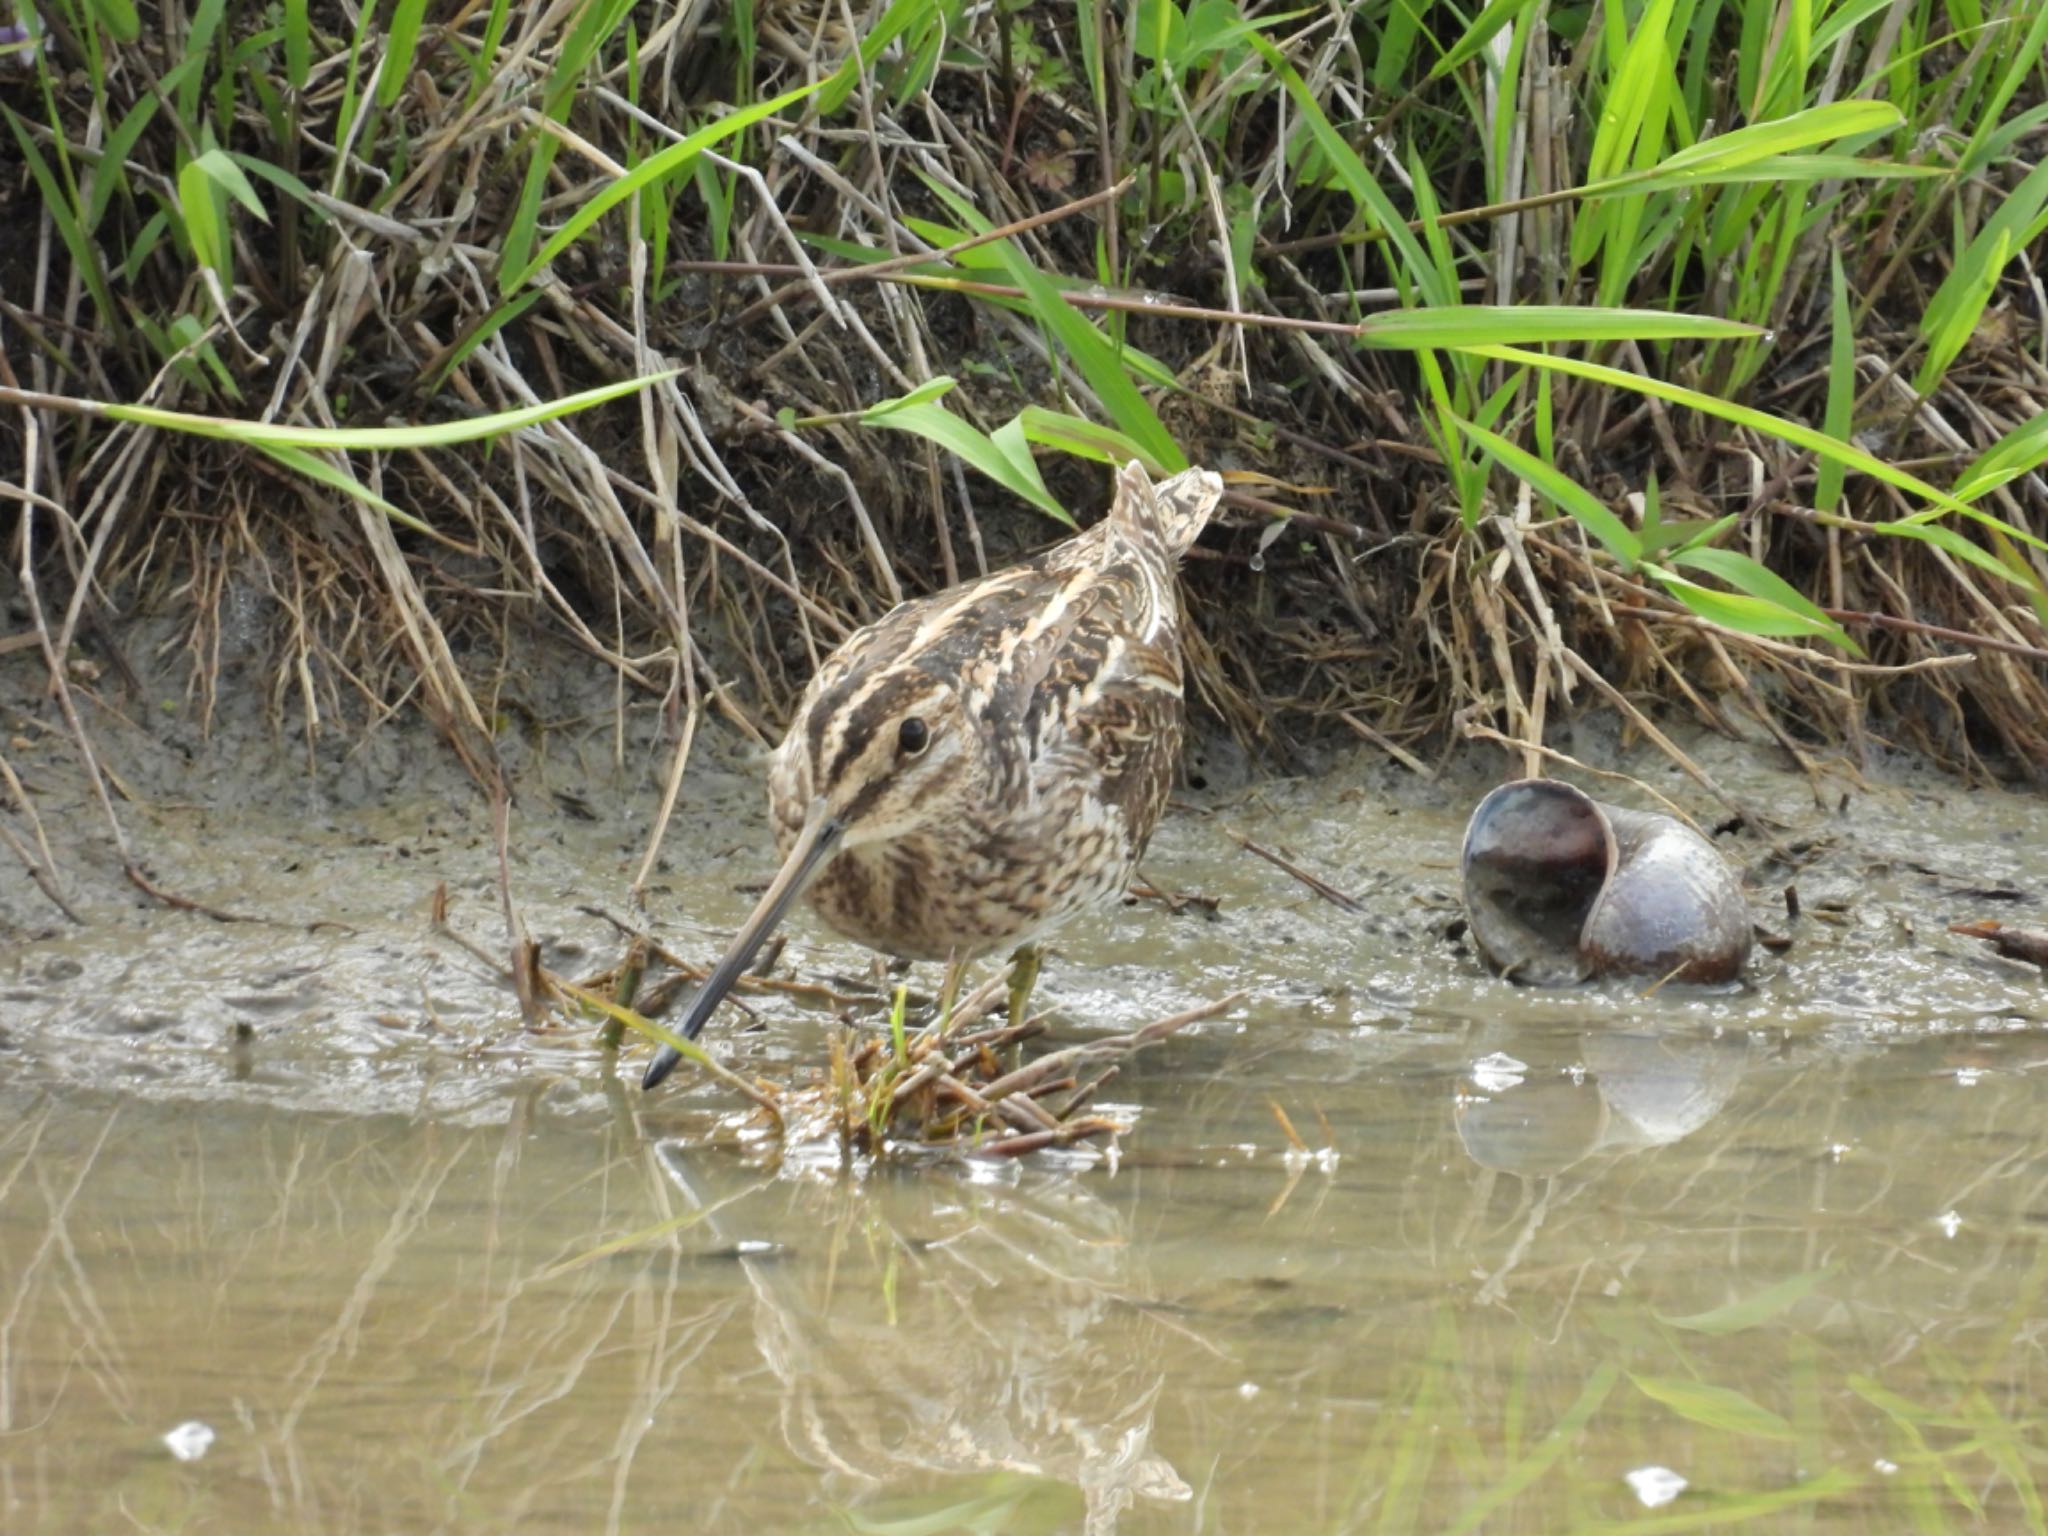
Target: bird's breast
x=973 y=890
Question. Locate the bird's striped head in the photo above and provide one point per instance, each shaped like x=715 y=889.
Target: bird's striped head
x=875 y=751
x=883 y=748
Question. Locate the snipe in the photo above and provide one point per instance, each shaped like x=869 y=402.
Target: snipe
x=978 y=766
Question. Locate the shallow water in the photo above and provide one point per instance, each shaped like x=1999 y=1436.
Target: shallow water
x=1538 y=1258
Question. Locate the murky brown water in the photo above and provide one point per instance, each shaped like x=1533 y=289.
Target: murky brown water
x=1546 y=1255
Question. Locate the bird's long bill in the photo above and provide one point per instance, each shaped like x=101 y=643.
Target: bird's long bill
x=814 y=845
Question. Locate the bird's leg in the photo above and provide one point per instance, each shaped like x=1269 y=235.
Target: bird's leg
x=949 y=994
x=1023 y=977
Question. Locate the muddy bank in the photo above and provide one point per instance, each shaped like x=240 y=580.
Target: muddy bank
x=337 y=993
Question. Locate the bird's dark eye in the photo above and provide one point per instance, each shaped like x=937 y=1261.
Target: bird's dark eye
x=913 y=736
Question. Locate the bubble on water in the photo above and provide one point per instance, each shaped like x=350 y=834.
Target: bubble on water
x=1498 y=1072
x=190 y=1440
x=1655 y=1486
x=994 y=1170
x=1258 y=562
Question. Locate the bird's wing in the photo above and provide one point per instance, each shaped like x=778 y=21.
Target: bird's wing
x=1099 y=692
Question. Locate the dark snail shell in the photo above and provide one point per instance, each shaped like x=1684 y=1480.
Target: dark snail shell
x=1560 y=888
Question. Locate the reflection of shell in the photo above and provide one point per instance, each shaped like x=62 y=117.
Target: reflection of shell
x=1662 y=1088
x=1559 y=887
x=1637 y=1090
x=1534 y=1129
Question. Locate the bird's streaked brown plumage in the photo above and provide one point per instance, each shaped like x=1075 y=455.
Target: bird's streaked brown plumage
x=978 y=766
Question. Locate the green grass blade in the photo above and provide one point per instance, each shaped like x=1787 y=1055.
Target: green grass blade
x=516 y=250
x=1911 y=1421
x=1785 y=608
x=2019 y=220
x=901 y=17
x=1781 y=136
x=351 y=104
x=1473 y=325
x=1845 y=18
x=220 y=168
x=143 y=246
x=493 y=323
x=1547 y=1453
x=1736 y=1509
x=1078 y=436
x=315 y=468
x=85 y=256
x=119 y=18
x=1775 y=426
x=2006 y=1444
x=2026 y=60
x=400 y=43
x=1472 y=42
x=945 y=236
x=1773 y=169
x=281 y=179
x=1092 y=353
x=1567 y=493
x=1721 y=1408
x=206 y=19
x=205 y=219
x=671 y=161
x=1413 y=267
x=1008 y=463
x=1951 y=320
x=112 y=174
x=1214 y=27
x=1015 y=447
x=1947 y=539
x=486 y=66
x=1751 y=1311
x=596 y=20
x=298 y=45
x=2021 y=451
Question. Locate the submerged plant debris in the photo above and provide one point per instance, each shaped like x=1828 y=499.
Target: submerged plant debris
x=958 y=1083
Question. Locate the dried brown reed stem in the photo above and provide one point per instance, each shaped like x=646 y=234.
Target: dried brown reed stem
x=40 y=863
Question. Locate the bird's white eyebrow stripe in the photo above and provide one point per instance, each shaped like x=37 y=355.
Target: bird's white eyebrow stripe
x=865 y=711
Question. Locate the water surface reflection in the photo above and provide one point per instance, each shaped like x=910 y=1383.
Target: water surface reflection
x=1796 y=1276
